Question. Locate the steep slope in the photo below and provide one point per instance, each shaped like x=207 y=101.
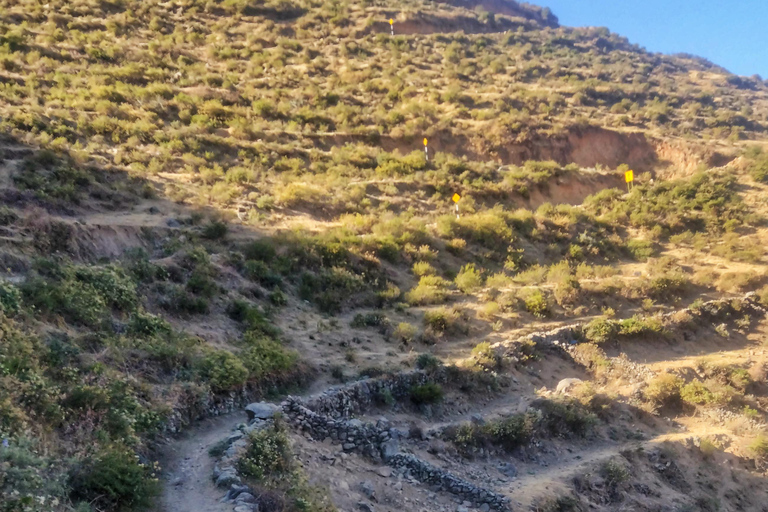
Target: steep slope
x=206 y=203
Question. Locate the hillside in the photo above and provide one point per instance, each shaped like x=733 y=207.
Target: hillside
x=207 y=203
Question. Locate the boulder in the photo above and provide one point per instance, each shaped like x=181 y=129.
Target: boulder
x=261 y=411
x=564 y=385
x=389 y=449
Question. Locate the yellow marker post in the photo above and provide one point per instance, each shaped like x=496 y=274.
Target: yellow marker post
x=426 y=150
x=456 y=198
x=629 y=177
x=392 y=26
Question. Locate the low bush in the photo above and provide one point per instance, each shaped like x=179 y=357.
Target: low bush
x=641 y=250
x=430 y=290
x=428 y=362
x=10 y=299
x=446 y=321
x=536 y=304
x=330 y=288
x=600 y=330
x=469 y=279
x=267 y=454
x=405 y=332
x=223 y=370
x=426 y=394
x=368 y=320
x=664 y=390
x=564 y=417
x=114 y=478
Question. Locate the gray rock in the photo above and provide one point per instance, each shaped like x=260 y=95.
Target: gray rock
x=389 y=449
x=478 y=419
x=485 y=507
x=227 y=478
x=508 y=469
x=564 y=385
x=261 y=411
x=365 y=507
x=384 y=471
x=173 y=223
x=355 y=423
x=367 y=489
x=244 y=508
x=245 y=497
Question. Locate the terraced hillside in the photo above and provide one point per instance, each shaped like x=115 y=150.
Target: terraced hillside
x=212 y=203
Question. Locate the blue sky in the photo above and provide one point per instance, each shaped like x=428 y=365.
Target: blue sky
x=731 y=33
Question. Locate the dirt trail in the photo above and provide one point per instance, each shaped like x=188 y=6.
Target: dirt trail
x=557 y=477
x=187 y=468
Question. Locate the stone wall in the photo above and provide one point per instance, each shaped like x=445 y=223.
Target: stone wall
x=356 y=398
x=429 y=474
x=379 y=442
x=353 y=435
x=711 y=311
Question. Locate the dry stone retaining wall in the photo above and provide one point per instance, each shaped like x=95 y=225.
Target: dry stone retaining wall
x=711 y=310
x=429 y=474
x=346 y=401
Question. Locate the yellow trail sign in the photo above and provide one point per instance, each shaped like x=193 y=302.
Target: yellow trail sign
x=456 y=198
x=391 y=21
x=629 y=176
x=425 y=141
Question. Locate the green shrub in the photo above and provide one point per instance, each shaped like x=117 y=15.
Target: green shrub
x=114 y=479
x=510 y=432
x=696 y=393
x=641 y=250
x=446 y=321
x=484 y=355
x=423 y=268
x=614 y=472
x=267 y=454
x=564 y=417
x=405 y=332
x=664 y=390
x=10 y=299
x=223 y=370
x=430 y=290
x=330 y=288
x=469 y=278
x=267 y=359
x=260 y=250
x=536 y=304
x=425 y=394
x=29 y=477
x=428 y=362
x=202 y=284
x=216 y=230
x=142 y=323
x=600 y=330
x=760 y=447
x=368 y=320
x=178 y=300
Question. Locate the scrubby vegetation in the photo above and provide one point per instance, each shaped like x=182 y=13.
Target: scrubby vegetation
x=179 y=178
x=269 y=463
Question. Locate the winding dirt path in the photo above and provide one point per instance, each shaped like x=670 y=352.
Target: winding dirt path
x=187 y=468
